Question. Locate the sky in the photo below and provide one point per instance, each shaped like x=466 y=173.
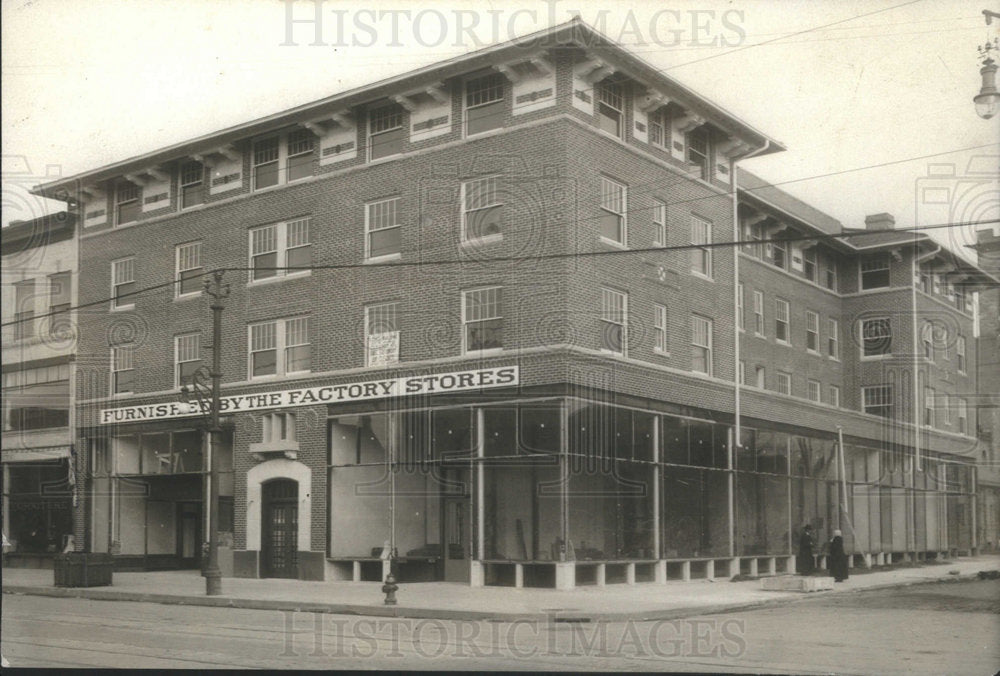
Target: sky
x=872 y=98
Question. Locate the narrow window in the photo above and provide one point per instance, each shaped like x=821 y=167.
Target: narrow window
x=741 y=319
x=265 y=163
x=815 y=390
x=659 y=223
x=192 y=178
x=614 y=206
x=187 y=358
x=263 y=349
x=833 y=338
x=759 y=379
x=928 y=406
x=779 y=254
x=484 y=104
x=127 y=202
x=482 y=211
x=960 y=353
x=699 y=151
x=876 y=337
x=189 y=269
x=122 y=369
x=381 y=334
x=60 y=299
x=386 y=133
x=758 y=312
x=24 y=309
x=701 y=344
x=809 y=264
x=300 y=147
x=963 y=416
x=264 y=252
x=383 y=236
x=812 y=331
x=834 y=396
x=614 y=317
x=481 y=315
x=701 y=238
x=610 y=108
x=660 y=327
x=784 y=382
x=781 y=321
x=123 y=283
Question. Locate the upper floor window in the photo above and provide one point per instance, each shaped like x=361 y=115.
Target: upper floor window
x=812 y=331
x=482 y=319
x=830 y=275
x=741 y=318
x=660 y=327
x=834 y=396
x=927 y=340
x=833 y=338
x=128 y=202
x=614 y=321
x=701 y=237
x=280 y=347
x=925 y=281
x=963 y=416
x=123 y=283
x=36 y=398
x=659 y=223
x=929 y=406
x=24 y=309
x=759 y=377
x=779 y=254
x=875 y=271
x=758 y=312
x=876 y=337
x=122 y=369
x=782 y=331
x=815 y=390
x=300 y=144
x=189 y=268
x=192 y=184
x=614 y=204
x=701 y=345
x=610 y=107
x=60 y=299
x=484 y=104
x=960 y=353
x=699 y=151
x=877 y=400
x=784 y=382
x=381 y=334
x=386 y=134
x=266 y=169
x=187 y=358
x=809 y=264
x=383 y=231
x=277 y=248
x=482 y=211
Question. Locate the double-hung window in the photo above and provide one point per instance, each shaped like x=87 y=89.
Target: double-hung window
x=812 y=331
x=759 y=377
x=484 y=104
x=927 y=340
x=123 y=283
x=192 y=184
x=659 y=223
x=701 y=253
x=280 y=347
x=301 y=144
x=928 y=406
x=963 y=416
x=611 y=108
x=122 y=369
x=482 y=211
x=830 y=280
x=659 y=128
x=24 y=309
x=187 y=358
x=189 y=269
x=877 y=400
x=960 y=353
x=834 y=396
x=741 y=315
x=779 y=254
x=833 y=338
x=699 y=151
x=386 y=134
x=266 y=165
x=809 y=264
x=701 y=344
x=943 y=404
x=876 y=337
x=283 y=158
x=280 y=250
x=614 y=321
x=784 y=382
x=482 y=319
x=128 y=202
x=782 y=331
x=660 y=327
x=875 y=271
x=383 y=230
x=758 y=312
x=614 y=205
x=815 y=390
x=381 y=334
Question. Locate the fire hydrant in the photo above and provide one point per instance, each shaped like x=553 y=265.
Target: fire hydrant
x=389 y=589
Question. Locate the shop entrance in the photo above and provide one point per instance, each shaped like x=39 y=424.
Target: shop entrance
x=280 y=521
x=457 y=538
x=188 y=534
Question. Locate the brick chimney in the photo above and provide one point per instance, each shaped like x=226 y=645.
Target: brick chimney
x=880 y=222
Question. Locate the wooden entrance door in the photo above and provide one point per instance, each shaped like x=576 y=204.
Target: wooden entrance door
x=280 y=541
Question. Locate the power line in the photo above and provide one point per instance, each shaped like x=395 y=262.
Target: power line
x=503 y=259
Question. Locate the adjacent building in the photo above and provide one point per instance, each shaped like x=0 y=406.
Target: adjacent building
x=486 y=319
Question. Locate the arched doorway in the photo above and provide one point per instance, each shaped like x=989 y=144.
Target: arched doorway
x=280 y=521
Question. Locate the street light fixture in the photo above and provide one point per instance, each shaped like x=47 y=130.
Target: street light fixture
x=988 y=99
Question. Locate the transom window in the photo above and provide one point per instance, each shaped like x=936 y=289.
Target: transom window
x=876 y=337
x=812 y=331
x=276 y=248
x=482 y=319
x=383 y=231
x=187 y=358
x=123 y=283
x=614 y=200
x=122 y=369
x=875 y=271
x=189 y=268
x=701 y=236
x=614 y=319
x=386 y=135
x=482 y=211
x=484 y=104
x=701 y=345
x=610 y=107
x=381 y=334
x=192 y=177
x=781 y=321
x=128 y=204
x=280 y=347
x=877 y=400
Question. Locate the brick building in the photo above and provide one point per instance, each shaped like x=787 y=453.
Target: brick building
x=484 y=319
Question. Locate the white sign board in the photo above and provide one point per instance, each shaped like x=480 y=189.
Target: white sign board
x=383 y=348
x=436 y=383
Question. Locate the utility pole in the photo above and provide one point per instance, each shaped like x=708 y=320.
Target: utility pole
x=218 y=292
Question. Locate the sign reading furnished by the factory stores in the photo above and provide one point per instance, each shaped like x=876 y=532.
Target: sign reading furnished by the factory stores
x=458 y=381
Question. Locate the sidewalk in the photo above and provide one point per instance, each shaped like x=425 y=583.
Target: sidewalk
x=441 y=600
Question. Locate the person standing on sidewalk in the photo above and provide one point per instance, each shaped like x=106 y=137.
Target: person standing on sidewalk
x=838 y=557
x=805 y=563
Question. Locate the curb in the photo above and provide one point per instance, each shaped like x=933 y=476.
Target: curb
x=97 y=594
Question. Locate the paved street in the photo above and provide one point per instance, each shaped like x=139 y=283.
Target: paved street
x=937 y=628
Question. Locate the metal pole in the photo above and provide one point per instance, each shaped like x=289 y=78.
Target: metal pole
x=213 y=575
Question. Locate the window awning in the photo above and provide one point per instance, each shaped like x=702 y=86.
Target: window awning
x=34 y=454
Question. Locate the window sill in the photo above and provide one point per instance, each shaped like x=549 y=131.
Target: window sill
x=782 y=342
x=814 y=353
x=875 y=357
x=280 y=278
x=187 y=296
x=483 y=353
x=122 y=308
x=383 y=259
x=488 y=239
x=613 y=243
x=702 y=275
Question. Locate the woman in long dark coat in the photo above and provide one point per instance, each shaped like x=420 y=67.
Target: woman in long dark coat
x=805 y=563
x=838 y=557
